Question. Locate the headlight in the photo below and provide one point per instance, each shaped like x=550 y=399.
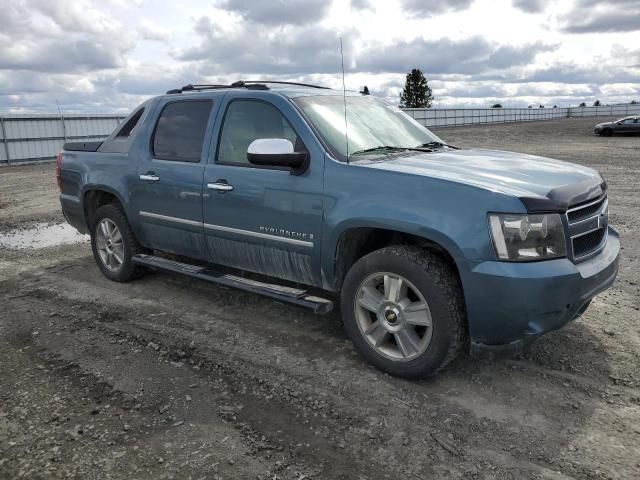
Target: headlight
x=522 y=238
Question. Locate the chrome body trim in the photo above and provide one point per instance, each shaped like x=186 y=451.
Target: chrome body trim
x=220 y=228
x=580 y=207
x=157 y=216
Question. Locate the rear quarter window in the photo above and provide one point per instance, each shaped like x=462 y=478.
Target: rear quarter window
x=180 y=129
x=129 y=125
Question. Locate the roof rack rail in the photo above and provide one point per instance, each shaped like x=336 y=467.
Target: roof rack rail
x=280 y=82
x=250 y=84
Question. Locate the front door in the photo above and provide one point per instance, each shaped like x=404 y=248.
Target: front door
x=261 y=219
x=168 y=197
x=627 y=125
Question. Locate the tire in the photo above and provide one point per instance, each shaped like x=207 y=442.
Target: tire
x=123 y=244
x=607 y=132
x=422 y=350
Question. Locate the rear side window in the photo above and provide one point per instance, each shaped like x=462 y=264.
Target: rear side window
x=129 y=125
x=179 y=133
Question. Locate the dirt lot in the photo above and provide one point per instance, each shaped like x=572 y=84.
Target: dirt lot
x=171 y=378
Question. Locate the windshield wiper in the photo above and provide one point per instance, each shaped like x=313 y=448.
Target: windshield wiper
x=436 y=144
x=389 y=148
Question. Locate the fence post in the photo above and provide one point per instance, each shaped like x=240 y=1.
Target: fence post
x=4 y=140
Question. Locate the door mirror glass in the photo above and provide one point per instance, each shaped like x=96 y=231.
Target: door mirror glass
x=275 y=152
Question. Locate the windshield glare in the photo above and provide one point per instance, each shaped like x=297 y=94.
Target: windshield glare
x=372 y=123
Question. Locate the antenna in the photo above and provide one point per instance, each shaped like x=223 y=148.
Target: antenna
x=64 y=125
x=344 y=99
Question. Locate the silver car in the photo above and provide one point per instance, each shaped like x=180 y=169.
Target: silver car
x=624 y=125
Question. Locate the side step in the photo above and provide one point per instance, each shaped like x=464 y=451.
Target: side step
x=280 y=293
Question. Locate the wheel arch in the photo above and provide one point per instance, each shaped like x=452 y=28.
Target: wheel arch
x=356 y=241
x=93 y=197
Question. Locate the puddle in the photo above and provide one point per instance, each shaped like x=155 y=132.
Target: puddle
x=41 y=235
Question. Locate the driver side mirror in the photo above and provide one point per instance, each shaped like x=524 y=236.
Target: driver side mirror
x=277 y=152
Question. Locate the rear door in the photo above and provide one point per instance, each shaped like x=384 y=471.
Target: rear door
x=168 y=195
x=263 y=219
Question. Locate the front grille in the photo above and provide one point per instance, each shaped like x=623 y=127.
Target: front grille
x=580 y=213
x=588 y=243
x=588 y=223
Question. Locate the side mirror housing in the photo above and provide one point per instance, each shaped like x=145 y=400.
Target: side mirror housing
x=277 y=152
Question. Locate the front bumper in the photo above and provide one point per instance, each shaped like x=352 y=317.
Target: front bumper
x=510 y=304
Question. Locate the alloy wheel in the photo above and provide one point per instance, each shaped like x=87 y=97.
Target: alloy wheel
x=393 y=316
x=109 y=244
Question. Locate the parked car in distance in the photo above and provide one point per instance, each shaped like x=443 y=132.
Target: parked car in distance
x=430 y=248
x=623 y=125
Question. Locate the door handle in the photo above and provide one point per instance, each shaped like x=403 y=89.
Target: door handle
x=220 y=186
x=149 y=177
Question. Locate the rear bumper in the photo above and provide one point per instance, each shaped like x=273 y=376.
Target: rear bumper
x=511 y=304
x=73 y=212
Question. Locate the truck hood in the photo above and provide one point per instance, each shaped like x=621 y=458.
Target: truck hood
x=543 y=184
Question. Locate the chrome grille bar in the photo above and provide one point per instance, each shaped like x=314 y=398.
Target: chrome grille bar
x=587 y=226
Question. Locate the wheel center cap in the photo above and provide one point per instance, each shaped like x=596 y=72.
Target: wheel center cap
x=391 y=316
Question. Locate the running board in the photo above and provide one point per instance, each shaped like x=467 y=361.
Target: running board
x=294 y=296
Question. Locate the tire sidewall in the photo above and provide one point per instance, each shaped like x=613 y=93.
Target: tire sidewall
x=435 y=295
x=114 y=214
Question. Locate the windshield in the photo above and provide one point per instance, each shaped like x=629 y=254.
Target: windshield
x=372 y=123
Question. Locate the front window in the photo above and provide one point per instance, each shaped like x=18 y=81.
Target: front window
x=371 y=123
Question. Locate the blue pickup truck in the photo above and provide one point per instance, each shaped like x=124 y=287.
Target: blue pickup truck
x=272 y=188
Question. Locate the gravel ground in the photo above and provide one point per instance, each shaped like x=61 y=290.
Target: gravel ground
x=167 y=377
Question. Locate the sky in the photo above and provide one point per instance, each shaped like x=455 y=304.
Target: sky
x=110 y=55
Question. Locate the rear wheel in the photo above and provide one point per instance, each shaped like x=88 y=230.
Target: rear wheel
x=114 y=244
x=402 y=307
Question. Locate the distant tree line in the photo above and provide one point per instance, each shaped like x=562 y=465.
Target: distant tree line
x=418 y=94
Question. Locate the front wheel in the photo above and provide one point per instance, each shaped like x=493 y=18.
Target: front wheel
x=402 y=308
x=114 y=244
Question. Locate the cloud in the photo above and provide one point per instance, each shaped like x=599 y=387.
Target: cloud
x=594 y=16
x=154 y=32
x=109 y=55
x=76 y=16
x=531 y=6
x=469 y=56
x=362 y=5
x=298 y=50
x=279 y=12
x=60 y=56
x=59 y=36
x=429 y=8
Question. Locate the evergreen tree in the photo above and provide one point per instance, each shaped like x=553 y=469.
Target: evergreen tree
x=417 y=92
x=596 y=103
